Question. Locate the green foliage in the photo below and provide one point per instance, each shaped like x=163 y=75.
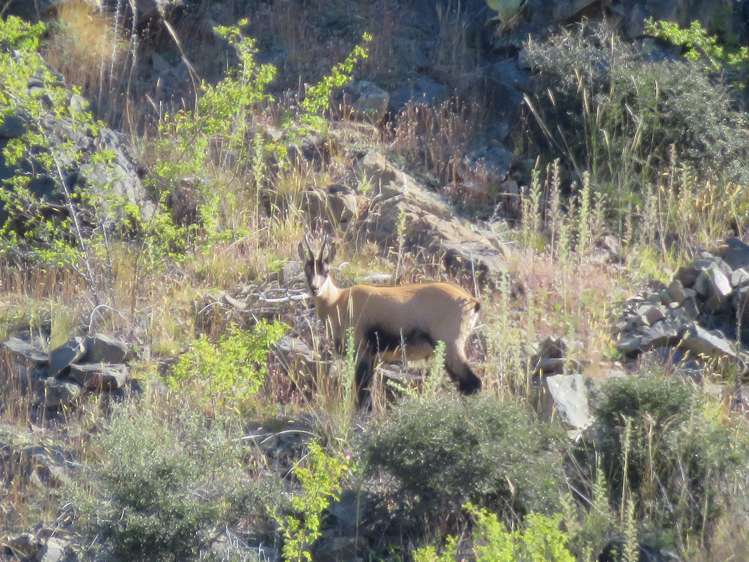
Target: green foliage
x=160 y=487
x=192 y=141
x=666 y=448
x=48 y=147
x=232 y=370
x=221 y=140
x=320 y=482
x=540 y=540
x=611 y=110
x=699 y=46
x=445 y=451
x=317 y=97
x=222 y=112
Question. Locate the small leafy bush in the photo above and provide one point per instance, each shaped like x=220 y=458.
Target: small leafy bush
x=320 y=481
x=49 y=227
x=540 y=540
x=316 y=101
x=699 y=46
x=163 y=489
x=446 y=451
x=611 y=109
x=666 y=444
x=231 y=370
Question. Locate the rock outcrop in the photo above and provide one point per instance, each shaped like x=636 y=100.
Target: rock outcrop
x=429 y=226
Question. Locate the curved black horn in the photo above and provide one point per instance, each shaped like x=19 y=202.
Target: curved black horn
x=323 y=246
x=308 y=244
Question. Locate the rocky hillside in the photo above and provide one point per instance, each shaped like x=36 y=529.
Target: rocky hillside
x=167 y=391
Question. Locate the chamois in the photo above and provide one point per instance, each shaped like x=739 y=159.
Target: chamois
x=391 y=322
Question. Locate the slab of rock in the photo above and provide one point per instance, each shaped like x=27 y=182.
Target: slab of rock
x=690 y=307
x=104 y=349
x=24 y=546
x=740 y=277
x=43 y=465
x=368 y=101
x=735 y=253
x=58 y=393
x=25 y=351
x=99 y=376
x=676 y=291
x=25 y=458
x=293 y=352
x=569 y=394
x=423 y=90
x=651 y=314
x=688 y=274
x=662 y=334
x=55 y=550
x=431 y=224
x=629 y=345
x=715 y=286
x=62 y=357
x=115 y=179
x=702 y=342
x=333 y=549
x=336 y=204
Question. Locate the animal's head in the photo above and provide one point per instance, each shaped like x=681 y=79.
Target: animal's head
x=316 y=266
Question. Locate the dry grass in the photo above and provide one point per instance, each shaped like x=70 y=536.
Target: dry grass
x=455 y=56
x=93 y=51
x=435 y=139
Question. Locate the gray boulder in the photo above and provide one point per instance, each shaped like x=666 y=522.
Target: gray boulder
x=22 y=350
x=568 y=398
x=740 y=278
x=101 y=348
x=715 y=286
x=99 y=376
x=702 y=342
x=735 y=253
x=368 y=101
x=336 y=204
x=422 y=90
x=59 y=394
x=62 y=357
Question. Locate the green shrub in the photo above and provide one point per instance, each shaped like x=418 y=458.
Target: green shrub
x=447 y=451
x=699 y=46
x=610 y=109
x=320 y=481
x=540 y=540
x=164 y=489
x=663 y=442
x=232 y=370
x=50 y=145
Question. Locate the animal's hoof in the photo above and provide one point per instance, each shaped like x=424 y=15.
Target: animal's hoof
x=470 y=386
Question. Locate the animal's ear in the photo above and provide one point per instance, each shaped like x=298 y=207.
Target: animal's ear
x=302 y=252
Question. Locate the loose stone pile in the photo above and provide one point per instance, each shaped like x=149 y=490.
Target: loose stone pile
x=58 y=378
x=702 y=314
